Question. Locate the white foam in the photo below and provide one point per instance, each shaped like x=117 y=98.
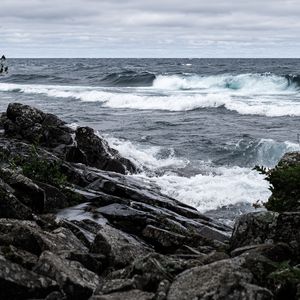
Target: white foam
x=279 y=105
x=145 y=157
x=246 y=83
x=215 y=188
x=221 y=187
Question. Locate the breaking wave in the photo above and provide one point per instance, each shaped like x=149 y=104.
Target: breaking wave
x=265 y=105
x=247 y=83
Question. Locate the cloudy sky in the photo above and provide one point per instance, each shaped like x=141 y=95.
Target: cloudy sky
x=150 y=28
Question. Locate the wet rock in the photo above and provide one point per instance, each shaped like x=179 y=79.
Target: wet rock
x=224 y=279
x=19 y=283
x=130 y=295
x=75 y=280
x=98 y=153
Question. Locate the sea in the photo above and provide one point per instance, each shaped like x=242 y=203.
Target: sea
x=196 y=128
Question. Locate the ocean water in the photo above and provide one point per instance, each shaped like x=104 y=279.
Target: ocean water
x=196 y=127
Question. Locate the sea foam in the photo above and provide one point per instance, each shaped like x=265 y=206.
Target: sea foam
x=138 y=99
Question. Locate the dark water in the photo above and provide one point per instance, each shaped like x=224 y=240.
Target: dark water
x=196 y=126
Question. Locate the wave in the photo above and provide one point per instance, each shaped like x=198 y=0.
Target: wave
x=129 y=79
x=271 y=107
x=222 y=186
x=247 y=83
x=250 y=152
x=211 y=188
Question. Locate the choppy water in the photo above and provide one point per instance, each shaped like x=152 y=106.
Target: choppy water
x=196 y=126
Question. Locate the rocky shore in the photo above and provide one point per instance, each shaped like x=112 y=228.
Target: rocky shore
x=74 y=226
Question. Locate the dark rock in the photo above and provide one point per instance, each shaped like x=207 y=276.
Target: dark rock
x=130 y=295
x=19 y=256
x=278 y=252
x=224 y=279
x=27 y=235
x=10 y=206
x=150 y=270
x=253 y=229
x=163 y=239
x=19 y=283
x=55 y=296
x=93 y=262
x=98 y=153
x=269 y=228
x=75 y=280
x=25 y=189
x=121 y=247
x=54 y=199
x=115 y=285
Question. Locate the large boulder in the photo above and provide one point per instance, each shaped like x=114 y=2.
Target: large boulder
x=225 y=279
x=268 y=228
x=98 y=153
x=47 y=130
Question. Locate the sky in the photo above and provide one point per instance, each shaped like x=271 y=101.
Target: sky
x=150 y=28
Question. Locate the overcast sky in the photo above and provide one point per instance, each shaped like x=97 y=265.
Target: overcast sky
x=150 y=28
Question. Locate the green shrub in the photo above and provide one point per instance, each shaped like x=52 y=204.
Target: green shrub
x=285 y=187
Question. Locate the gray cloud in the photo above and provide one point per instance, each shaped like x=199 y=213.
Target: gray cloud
x=156 y=28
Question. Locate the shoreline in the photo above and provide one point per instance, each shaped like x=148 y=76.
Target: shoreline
x=129 y=241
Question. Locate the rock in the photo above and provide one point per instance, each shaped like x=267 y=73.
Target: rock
x=115 y=285
x=27 y=235
x=150 y=270
x=25 y=189
x=130 y=295
x=19 y=256
x=268 y=228
x=253 y=229
x=98 y=153
x=290 y=159
x=224 y=279
x=163 y=239
x=55 y=132
x=121 y=247
x=75 y=280
x=93 y=262
x=10 y=206
x=19 y=283
x=278 y=252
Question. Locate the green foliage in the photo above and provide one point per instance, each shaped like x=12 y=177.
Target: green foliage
x=285 y=187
